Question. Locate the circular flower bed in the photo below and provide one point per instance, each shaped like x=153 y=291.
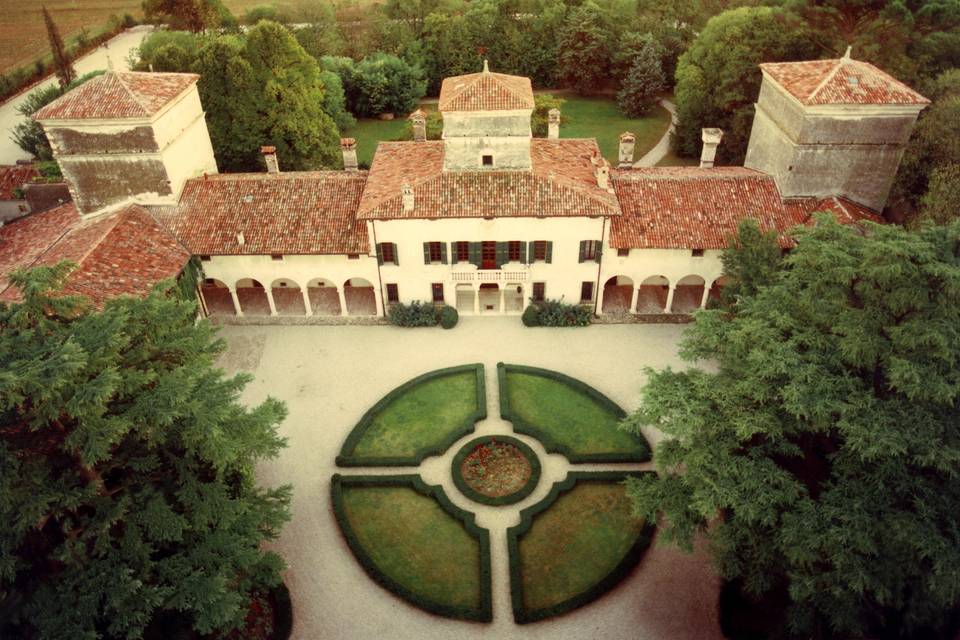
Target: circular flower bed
x=496 y=470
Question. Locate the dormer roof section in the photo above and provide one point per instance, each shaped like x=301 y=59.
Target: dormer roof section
x=486 y=91
x=118 y=96
x=842 y=81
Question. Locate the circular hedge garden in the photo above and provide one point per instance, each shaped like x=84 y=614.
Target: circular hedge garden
x=496 y=470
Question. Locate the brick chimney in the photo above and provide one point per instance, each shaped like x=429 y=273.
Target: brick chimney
x=553 y=124
x=349 y=148
x=270 y=157
x=419 y=121
x=711 y=140
x=627 y=141
x=407 y=192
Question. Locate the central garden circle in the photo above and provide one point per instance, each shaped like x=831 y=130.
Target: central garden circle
x=496 y=470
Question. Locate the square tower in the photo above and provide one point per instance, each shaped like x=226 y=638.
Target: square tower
x=832 y=127
x=129 y=137
x=486 y=121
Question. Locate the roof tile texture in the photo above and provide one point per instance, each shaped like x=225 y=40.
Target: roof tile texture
x=561 y=182
x=485 y=91
x=841 y=81
x=118 y=95
x=13 y=176
x=311 y=212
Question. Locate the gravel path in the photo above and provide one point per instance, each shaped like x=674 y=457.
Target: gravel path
x=329 y=376
x=118 y=47
x=655 y=155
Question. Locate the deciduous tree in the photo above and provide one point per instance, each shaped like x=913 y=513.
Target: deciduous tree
x=126 y=469
x=584 y=58
x=820 y=455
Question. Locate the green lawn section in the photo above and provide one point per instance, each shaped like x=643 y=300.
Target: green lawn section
x=601 y=119
x=410 y=539
x=673 y=160
x=424 y=416
x=576 y=543
x=569 y=417
x=587 y=118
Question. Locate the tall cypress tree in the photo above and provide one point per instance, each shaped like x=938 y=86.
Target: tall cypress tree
x=65 y=71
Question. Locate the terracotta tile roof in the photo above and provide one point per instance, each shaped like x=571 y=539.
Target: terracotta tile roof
x=560 y=183
x=485 y=91
x=694 y=208
x=844 y=211
x=123 y=253
x=840 y=81
x=13 y=176
x=312 y=212
x=122 y=95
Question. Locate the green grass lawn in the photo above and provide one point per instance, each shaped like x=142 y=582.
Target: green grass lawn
x=424 y=416
x=410 y=539
x=673 y=160
x=601 y=119
x=587 y=118
x=576 y=543
x=568 y=417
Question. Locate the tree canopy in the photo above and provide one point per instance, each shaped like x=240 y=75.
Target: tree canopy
x=126 y=469
x=820 y=455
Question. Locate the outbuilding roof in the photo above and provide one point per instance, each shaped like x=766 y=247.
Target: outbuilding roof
x=122 y=253
x=485 y=91
x=308 y=212
x=118 y=95
x=561 y=183
x=840 y=81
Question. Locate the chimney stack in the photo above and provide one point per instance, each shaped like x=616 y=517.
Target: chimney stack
x=419 y=120
x=627 y=141
x=553 y=124
x=270 y=157
x=711 y=140
x=407 y=192
x=349 y=148
x=603 y=174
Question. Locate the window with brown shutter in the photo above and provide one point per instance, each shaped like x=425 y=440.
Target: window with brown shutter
x=463 y=251
x=436 y=253
x=539 y=250
x=539 y=291
x=393 y=295
x=513 y=251
x=437 y=291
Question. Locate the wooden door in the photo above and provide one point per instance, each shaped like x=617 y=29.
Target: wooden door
x=488 y=255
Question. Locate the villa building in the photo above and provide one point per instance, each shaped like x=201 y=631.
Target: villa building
x=485 y=219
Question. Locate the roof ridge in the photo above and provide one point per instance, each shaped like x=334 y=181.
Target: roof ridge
x=130 y=91
x=839 y=62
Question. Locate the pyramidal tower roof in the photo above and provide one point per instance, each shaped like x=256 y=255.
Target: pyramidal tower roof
x=840 y=81
x=486 y=91
x=118 y=95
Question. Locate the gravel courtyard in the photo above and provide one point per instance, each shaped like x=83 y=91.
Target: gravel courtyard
x=330 y=375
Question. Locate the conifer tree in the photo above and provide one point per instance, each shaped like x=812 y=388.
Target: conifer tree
x=820 y=456
x=126 y=469
x=61 y=60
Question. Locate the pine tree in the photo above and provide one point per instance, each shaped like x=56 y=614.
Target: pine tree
x=751 y=261
x=126 y=469
x=61 y=60
x=643 y=85
x=820 y=455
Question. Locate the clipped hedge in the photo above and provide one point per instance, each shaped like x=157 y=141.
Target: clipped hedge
x=346 y=458
x=448 y=317
x=554 y=313
x=282 y=612
x=512 y=498
x=482 y=536
x=522 y=615
x=415 y=314
x=551 y=445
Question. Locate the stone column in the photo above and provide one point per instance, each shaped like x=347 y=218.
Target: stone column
x=668 y=308
x=503 y=300
x=634 y=298
x=306 y=301
x=476 y=301
x=343 y=302
x=273 y=307
x=236 y=303
x=706 y=295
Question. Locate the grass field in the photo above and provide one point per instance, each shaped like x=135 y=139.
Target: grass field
x=587 y=118
x=673 y=160
x=415 y=543
x=569 y=417
x=576 y=543
x=23 y=36
x=423 y=416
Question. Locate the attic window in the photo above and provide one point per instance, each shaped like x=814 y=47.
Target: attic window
x=204 y=258
x=697 y=253
x=487 y=160
x=276 y=256
x=248 y=198
x=853 y=80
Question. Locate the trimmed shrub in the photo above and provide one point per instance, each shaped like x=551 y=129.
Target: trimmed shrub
x=554 y=313
x=531 y=316
x=448 y=317
x=415 y=314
